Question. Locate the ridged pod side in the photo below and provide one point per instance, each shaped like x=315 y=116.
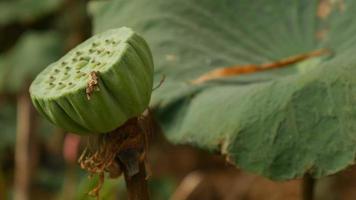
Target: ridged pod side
x=123 y=89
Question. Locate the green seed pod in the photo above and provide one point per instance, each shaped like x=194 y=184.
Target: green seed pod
x=83 y=96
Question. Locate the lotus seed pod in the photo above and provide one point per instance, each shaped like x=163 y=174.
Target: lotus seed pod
x=97 y=86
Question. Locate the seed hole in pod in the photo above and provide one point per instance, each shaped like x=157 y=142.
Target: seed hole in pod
x=78 y=53
x=61 y=85
x=91 y=50
x=100 y=66
x=56 y=70
x=74 y=59
x=50 y=85
x=99 y=51
x=70 y=84
x=107 y=41
x=94 y=44
x=49 y=80
x=63 y=63
x=67 y=68
x=65 y=76
x=78 y=75
x=81 y=64
x=86 y=58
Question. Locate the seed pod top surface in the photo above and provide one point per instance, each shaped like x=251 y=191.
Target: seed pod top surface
x=98 y=85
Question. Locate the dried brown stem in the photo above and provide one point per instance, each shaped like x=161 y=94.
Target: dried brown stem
x=252 y=68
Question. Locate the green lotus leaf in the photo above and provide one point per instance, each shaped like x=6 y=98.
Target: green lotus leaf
x=280 y=123
x=98 y=85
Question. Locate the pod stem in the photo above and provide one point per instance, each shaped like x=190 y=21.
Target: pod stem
x=132 y=160
x=137 y=184
x=308 y=187
x=123 y=150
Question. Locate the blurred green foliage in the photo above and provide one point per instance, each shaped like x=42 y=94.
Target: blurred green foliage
x=110 y=189
x=30 y=41
x=162 y=188
x=25 y=11
x=7 y=127
x=32 y=53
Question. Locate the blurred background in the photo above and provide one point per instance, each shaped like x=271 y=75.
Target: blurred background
x=39 y=161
